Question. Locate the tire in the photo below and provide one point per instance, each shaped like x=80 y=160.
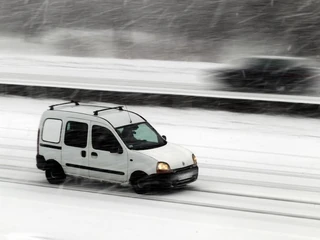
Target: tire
x=55 y=175
x=140 y=190
x=136 y=179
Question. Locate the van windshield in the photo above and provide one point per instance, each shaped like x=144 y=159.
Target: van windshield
x=140 y=136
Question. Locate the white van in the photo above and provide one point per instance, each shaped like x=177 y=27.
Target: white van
x=109 y=144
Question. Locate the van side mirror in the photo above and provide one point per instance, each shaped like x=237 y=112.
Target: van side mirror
x=164 y=137
x=118 y=150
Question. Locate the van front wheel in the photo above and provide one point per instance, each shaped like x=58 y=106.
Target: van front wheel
x=137 y=183
x=55 y=175
x=141 y=190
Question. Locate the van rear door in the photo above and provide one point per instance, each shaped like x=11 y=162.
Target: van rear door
x=49 y=141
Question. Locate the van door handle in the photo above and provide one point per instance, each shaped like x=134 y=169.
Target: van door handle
x=83 y=153
x=94 y=154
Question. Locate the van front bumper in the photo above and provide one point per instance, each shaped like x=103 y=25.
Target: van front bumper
x=176 y=178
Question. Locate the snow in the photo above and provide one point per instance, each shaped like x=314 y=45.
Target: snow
x=139 y=69
x=240 y=156
x=60 y=214
x=138 y=76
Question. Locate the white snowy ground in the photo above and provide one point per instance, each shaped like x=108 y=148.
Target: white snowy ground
x=259 y=179
x=104 y=69
x=125 y=75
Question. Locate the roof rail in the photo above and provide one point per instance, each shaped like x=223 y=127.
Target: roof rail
x=105 y=109
x=59 y=104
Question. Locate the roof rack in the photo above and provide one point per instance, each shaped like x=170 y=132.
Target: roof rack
x=65 y=103
x=105 y=109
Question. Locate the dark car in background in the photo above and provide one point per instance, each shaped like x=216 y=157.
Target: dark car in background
x=268 y=74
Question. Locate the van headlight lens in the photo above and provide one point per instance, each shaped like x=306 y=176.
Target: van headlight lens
x=163 y=167
x=194 y=158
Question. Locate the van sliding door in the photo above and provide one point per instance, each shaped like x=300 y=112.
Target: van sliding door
x=75 y=147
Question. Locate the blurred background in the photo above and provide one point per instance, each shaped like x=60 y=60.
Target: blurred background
x=186 y=30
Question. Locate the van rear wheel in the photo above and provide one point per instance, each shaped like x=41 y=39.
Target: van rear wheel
x=55 y=175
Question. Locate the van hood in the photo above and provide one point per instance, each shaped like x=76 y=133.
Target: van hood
x=176 y=156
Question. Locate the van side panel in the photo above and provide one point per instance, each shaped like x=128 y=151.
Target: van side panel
x=141 y=162
x=50 y=153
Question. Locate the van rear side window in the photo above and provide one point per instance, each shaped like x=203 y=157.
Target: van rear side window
x=52 y=130
x=76 y=134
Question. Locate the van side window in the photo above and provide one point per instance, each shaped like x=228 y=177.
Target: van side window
x=76 y=134
x=51 y=130
x=103 y=139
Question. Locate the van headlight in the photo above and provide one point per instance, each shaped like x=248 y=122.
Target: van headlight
x=194 y=158
x=163 y=167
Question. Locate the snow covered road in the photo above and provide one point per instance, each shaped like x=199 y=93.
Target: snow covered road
x=53 y=213
x=249 y=164
x=109 y=72
x=134 y=76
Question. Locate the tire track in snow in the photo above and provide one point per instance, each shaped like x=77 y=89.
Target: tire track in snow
x=170 y=201
x=213 y=179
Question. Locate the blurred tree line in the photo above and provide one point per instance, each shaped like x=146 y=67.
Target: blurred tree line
x=295 y=23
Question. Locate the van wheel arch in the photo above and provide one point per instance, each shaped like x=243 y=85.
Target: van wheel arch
x=51 y=163
x=135 y=178
x=54 y=172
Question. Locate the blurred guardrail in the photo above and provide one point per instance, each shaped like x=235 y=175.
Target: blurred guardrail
x=147 y=82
